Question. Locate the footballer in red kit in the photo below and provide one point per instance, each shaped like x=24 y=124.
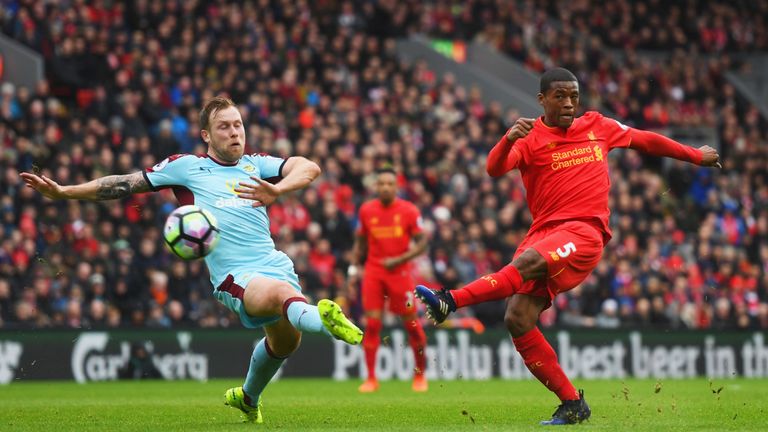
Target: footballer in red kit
x=563 y=163
x=389 y=229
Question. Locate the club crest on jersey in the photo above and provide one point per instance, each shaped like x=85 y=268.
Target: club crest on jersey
x=249 y=168
x=231 y=185
x=598 y=153
x=551 y=145
x=236 y=201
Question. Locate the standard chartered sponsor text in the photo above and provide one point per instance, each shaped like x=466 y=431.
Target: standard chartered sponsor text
x=573 y=157
x=558 y=156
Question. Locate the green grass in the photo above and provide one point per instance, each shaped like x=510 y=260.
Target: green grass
x=317 y=404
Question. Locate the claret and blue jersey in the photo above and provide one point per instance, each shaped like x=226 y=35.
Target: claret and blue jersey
x=245 y=246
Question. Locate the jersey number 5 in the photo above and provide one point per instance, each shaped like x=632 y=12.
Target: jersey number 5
x=566 y=249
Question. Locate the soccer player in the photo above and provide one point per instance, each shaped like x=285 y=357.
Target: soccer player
x=387 y=224
x=564 y=166
x=251 y=277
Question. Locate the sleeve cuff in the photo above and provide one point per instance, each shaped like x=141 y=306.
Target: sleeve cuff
x=506 y=135
x=280 y=170
x=146 y=178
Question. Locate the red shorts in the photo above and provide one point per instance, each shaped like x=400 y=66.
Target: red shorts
x=572 y=250
x=397 y=288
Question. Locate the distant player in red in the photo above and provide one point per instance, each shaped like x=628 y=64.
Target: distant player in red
x=386 y=227
x=564 y=166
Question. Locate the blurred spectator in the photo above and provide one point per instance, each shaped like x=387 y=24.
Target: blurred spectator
x=608 y=316
x=139 y=365
x=176 y=315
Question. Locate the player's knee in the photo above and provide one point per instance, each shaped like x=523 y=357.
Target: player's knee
x=519 y=321
x=283 y=291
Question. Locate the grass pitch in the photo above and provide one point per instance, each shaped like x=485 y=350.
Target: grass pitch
x=318 y=404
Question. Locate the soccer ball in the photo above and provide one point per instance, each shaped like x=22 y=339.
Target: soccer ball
x=191 y=232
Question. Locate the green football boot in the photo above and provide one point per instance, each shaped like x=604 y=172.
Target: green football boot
x=235 y=397
x=337 y=323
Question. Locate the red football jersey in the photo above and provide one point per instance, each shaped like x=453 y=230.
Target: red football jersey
x=565 y=171
x=388 y=230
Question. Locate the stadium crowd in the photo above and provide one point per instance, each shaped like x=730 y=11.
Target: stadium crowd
x=322 y=80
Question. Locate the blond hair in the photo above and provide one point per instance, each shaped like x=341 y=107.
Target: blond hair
x=211 y=107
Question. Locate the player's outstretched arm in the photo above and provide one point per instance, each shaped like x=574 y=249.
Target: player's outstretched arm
x=659 y=145
x=504 y=157
x=103 y=188
x=298 y=172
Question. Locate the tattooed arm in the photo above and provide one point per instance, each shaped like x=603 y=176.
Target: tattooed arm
x=103 y=188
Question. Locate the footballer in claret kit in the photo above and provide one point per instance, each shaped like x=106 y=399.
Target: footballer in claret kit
x=251 y=278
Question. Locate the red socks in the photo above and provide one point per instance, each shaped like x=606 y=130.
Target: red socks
x=541 y=360
x=495 y=286
x=416 y=338
x=371 y=340
x=418 y=341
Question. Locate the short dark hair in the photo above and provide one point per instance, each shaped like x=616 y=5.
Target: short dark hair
x=211 y=107
x=554 y=75
x=386 y=169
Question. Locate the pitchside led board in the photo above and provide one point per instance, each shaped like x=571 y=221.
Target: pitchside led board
x=452 y=355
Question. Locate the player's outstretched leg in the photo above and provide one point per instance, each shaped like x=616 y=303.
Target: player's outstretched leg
x=268 y=355
x=438 y=303
x=235 y=397
x=541 y=359
x=326 y=317
x=491 y=287
x=570 y=412
x=337 y=324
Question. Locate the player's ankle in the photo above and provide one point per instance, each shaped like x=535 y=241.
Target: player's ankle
x=451 y=301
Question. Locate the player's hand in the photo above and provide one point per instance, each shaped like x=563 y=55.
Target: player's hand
x=263 y=193
x=353 y=276
x=390 y=263
x=710 y=157
x=520 y=129
x=352 y=271
x=44 y=185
